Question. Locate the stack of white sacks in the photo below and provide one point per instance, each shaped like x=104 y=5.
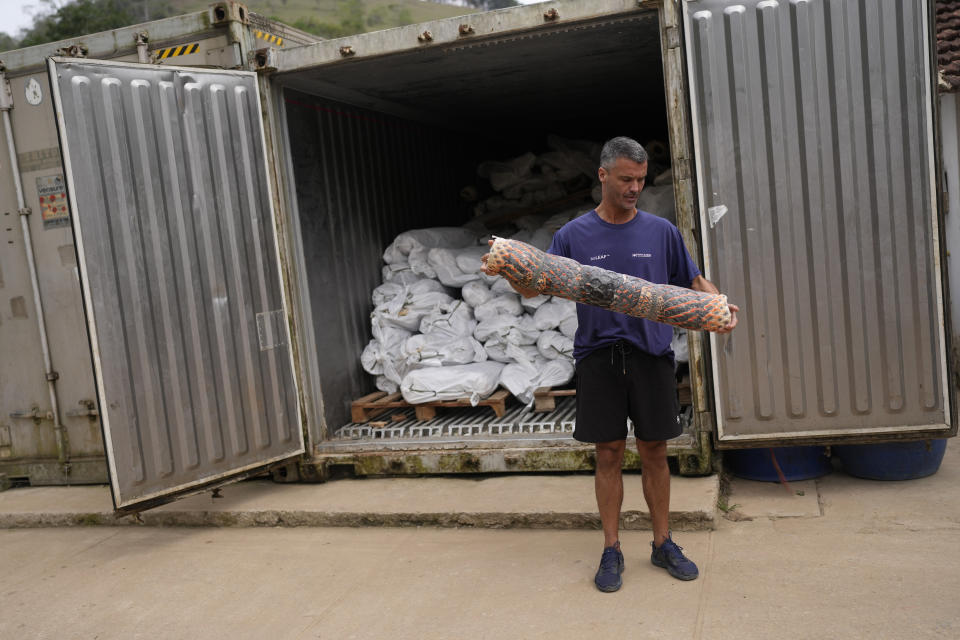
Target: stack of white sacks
x=442 y=329
x=530 y=179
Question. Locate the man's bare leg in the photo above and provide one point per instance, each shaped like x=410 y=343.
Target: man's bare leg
x=656 y=486
x=608 y=482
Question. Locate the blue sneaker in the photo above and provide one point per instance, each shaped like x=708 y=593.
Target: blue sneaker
x=611 y=566
x=670 y=557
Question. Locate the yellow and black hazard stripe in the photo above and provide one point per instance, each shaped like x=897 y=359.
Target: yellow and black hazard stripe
x=272 y=39
x=172 y=52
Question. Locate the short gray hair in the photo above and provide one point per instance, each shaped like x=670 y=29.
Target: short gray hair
x=621 y=147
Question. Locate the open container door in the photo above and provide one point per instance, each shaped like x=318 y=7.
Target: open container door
x=171 y=206
x=815 y=156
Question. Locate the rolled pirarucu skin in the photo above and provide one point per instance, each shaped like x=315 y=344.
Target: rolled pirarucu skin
x=548 y=274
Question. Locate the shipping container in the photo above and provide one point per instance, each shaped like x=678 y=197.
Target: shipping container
x=50 y=428
x=229 y=228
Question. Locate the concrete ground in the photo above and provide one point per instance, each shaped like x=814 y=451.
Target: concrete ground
x=849 y=558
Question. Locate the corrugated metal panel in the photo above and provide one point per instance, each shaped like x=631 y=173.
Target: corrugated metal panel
x=167 y=181
x=362 y=177
x=814 y=152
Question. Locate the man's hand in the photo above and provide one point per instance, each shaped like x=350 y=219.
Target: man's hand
x=733 y=320
x=483 y=260
x=702 y=284
x=526 y=293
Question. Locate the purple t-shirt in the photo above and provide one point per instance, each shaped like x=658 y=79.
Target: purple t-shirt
x=647 y=247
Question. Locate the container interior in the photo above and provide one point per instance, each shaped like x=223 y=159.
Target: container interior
x=385 y=144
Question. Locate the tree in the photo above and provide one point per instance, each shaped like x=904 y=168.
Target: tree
x=7 y=42
x=352 y=19
x=80 y=17
x=391 y=15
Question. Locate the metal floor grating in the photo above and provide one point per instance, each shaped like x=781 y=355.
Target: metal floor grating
x=475 y=422
x=469 y=422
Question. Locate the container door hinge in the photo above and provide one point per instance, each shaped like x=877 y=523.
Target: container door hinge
x=263 y=60
x=78 y=50
x=672 y=37
x=33 y=414
x=89 y=410
x=6 y=94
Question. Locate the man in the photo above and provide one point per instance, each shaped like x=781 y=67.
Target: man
x=624 y=364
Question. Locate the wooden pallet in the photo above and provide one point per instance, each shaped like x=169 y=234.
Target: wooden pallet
x=545 y=398
x=374 y=404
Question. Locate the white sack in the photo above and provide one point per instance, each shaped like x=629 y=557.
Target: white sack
x=525 y=332
x=469 y=259
x=542 y=238
x=659 y=201
x=444 y=263
x=372 y=358
x=426 y=285
x=454 y=320
x=401 y=247
x=556 y=373
x=388 y=335
x=553 y=345
x=551 y=314
x=384 y=355
x=410 y=313
x=568 y=326
x=681 y=350
x=475 y=293
x=502 y=351
x=400 y=273
x=436 y=350
x=534 y=303
x=495 y=327
x=476 y=381
x=505 y=174
x=522 y=380
x=505 y=304
x=502 y=286
x=420 y=264
x=518 y=379
x=383 y=384
x=386 y=292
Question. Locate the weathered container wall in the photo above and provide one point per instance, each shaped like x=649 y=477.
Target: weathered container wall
x=950 y=140
x=361 y=178
x=814 y=131
x=166 y=172
x=27 y=444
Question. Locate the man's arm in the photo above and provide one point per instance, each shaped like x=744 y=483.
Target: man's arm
x=702 y=284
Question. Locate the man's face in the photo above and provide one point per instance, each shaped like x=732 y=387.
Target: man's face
x=623 y=183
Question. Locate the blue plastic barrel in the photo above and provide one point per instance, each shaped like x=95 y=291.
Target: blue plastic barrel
x=892 y=460
x=797 y=463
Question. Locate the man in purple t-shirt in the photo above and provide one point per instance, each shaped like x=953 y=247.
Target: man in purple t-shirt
x=625 y=365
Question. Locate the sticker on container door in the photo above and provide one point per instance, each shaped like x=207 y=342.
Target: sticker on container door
x=53 y=202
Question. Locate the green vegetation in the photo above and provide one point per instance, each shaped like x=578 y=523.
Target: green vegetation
x=327 y=18
x=54 y=22
x=336 y=18
x=352 y=17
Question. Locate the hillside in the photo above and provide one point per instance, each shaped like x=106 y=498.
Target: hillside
x=377 y=14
